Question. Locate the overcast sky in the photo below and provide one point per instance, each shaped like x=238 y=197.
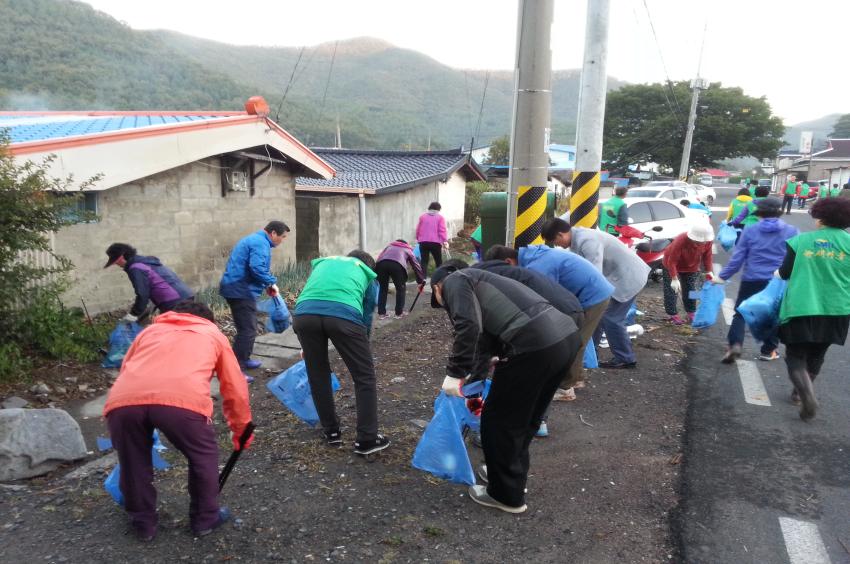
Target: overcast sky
x=768 y=48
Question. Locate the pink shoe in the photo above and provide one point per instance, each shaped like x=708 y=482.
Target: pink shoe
x=676 y=320
x=691 y=317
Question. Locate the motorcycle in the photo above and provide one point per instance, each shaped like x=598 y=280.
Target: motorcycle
x=649 y=250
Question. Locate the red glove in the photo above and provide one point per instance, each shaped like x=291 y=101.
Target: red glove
x=235 y=441
x=475 y=406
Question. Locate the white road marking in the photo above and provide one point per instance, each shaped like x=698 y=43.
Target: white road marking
x=728 y=310
x=803 y=542
x=717 y=268
x=752 y=384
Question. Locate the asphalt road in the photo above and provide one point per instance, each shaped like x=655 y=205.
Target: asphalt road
x=759 y=484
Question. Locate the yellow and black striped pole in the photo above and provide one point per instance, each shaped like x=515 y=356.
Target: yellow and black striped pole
x=531 y=210
x=584 y=199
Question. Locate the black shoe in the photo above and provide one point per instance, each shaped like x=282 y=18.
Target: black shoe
x=333 y=438
x=223 y=517
x=617 y=364
x=368 y=447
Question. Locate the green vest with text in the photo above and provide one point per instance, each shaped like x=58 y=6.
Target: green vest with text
x=606 y=222
x=819 y=282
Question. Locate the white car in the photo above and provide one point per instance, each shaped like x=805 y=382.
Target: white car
x=681 y=191
x=706 y=194
x=672 y=217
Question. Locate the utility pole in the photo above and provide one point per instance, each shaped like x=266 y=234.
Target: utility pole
x=529 y=151
x=584 y=197
x=696 y=85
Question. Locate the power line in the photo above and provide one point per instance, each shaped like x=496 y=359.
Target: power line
x=677 y=110
x=481 y=109
x=327 y=84
x=289 y=85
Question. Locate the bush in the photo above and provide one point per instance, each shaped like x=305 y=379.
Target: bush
x=12 y=361
x=472 y=207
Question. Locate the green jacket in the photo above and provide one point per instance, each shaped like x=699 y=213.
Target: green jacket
x=343 y=280
x=620 y=211
x=820 y=280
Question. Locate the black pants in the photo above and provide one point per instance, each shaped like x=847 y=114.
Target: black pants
x=435 y=250
x=244 y=313
x=747 y=289
x=689 y=282
x=787 y=202
x=386 y=270
x=352 y=343
x=521 y=390
x=805 y=357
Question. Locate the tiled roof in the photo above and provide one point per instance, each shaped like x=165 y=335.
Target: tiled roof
x=386 y=171
x=23 y=128
x=839 y=149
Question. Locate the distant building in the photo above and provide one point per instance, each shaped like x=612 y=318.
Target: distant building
x=717 y=174
x=183 y=186
x=377 y=197
x=831 y=164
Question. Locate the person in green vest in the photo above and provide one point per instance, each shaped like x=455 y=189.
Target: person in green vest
x=739 y=203
x=619 y=212
x=476 y=240
x=802 y=194
x=753 y=185
x=835 y=191
x=747 y=215
x=336 y=304
x=810 y=321
x=789 y=193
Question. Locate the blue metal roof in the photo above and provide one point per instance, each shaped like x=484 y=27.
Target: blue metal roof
x=22 y=129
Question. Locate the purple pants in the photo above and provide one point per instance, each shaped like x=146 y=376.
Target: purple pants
x=131 y=429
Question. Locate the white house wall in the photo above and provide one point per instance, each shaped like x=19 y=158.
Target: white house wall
x=452 y=196
x=179 y=216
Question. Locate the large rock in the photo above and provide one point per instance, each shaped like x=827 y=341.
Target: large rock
x=36 y=441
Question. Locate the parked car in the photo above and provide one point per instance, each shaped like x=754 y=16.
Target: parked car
x=767 y=182
x=705 y=179
x=672 y=217
x=706 y=193
x=665 y=191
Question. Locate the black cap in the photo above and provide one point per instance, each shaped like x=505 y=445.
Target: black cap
x=117 y=250
x=438 y=276
x=768 y=206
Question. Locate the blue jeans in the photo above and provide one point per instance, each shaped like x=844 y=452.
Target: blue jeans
x=736 y=330
x=613 y=323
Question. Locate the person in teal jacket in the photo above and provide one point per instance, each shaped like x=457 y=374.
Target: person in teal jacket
x=336 y=304
x=247 y=274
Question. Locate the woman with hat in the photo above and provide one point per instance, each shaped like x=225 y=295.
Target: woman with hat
x=682 y=261
x=759 y=253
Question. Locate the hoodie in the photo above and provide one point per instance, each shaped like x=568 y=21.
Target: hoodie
x=172 y=362
x=571 y=271
x=402 y=253
x=760 y=250
x=431 y=228
x=152 y=281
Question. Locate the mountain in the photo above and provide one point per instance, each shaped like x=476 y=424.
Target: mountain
x=821 y=128
x=63 y=54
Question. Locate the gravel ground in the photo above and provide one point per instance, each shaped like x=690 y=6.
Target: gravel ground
x=603 y=486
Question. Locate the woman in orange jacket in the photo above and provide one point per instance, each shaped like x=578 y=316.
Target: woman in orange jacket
x=164 y=383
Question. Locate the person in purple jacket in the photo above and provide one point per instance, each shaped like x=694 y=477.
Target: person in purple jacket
x=760 y=251
x=392 y=264
x=152 y=281
x=431 y=235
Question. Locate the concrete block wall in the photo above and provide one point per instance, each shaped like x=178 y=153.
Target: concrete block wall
x=179 y=216
x=339 y=225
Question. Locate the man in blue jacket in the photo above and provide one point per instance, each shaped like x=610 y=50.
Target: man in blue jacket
x=760 y=251
x=247 y=274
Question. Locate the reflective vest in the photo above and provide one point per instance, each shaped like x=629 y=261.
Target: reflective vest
x=606 y=222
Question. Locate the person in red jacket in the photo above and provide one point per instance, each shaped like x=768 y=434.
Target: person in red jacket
x=682 y=260
x=164 y=383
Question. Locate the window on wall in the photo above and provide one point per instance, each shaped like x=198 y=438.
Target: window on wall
x=85 y=208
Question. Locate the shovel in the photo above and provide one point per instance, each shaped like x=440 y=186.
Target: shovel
x=234 y=456
x=421 y=287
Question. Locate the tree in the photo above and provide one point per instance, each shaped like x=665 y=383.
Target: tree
x=841 y=129
x=647 y=123
x=500 y=151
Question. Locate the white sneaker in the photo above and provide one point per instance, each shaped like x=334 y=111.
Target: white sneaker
x=564 y=395
x=479 y=495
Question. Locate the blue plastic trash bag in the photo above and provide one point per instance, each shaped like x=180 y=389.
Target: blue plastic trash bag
x=441 y=450
x=727 y=235
x=113 y=487
x=710 y=299
x=119 y=342
x=590 y=360
x=416 y=252
x=292 y=388
x=279 y=319
x=761 y=311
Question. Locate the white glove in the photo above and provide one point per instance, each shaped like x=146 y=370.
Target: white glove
x=452 y=386
x=130 y=318
x=675 y=285
x=272 y=290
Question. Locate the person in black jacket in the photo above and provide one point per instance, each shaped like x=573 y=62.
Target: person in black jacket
x=496 y=316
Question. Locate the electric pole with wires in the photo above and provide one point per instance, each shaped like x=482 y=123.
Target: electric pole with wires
x=529 y=148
